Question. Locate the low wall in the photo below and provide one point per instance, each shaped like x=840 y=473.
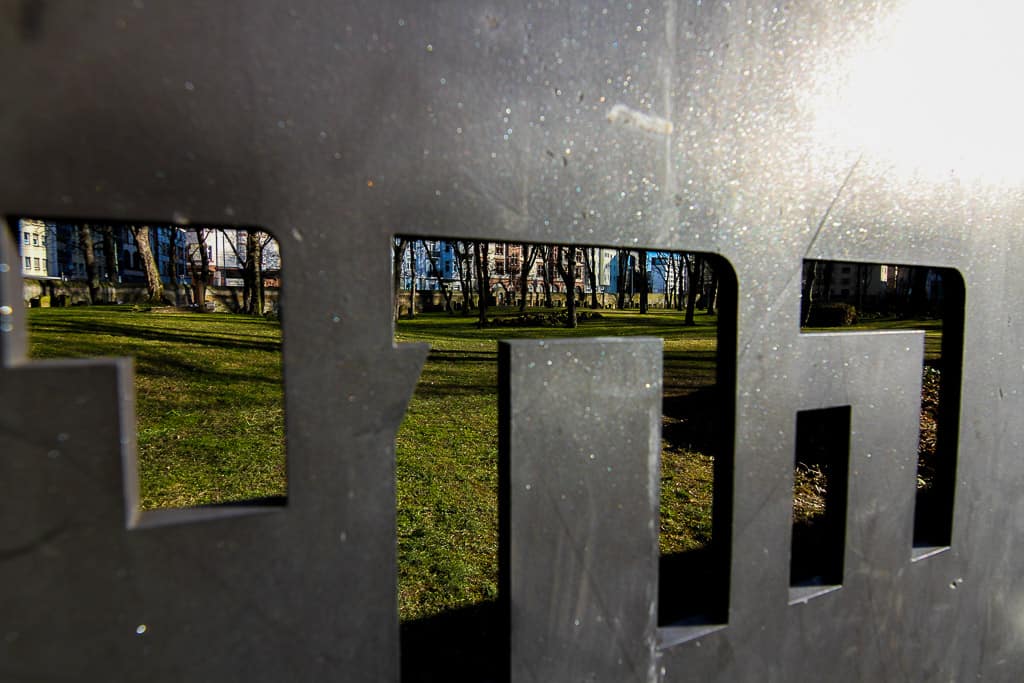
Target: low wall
x=434 y=301
x=76 y=292
x=229 y=299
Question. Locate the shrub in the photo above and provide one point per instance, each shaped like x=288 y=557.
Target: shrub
x=832 y=315
x=541 y=319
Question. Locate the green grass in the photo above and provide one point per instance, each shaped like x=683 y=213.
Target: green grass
x=209 y=402
x=447 y=450
x=211 y=425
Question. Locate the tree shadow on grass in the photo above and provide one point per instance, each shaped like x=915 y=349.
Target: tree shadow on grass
x=693 y=420
x=163 y=335
x=446 y=356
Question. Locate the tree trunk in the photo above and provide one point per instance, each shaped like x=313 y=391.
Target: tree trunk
x=860 y=270
x=713 y=286
x=693 y=268
x=173 y=260
x=826 y=283
x=565 y=261
x=621 y=284
x=154 y=287
x=89 y=256
x=545 y=271
x=412 y=280
x=917 y=300
x=529 y=256
x=644 y=287
x=399 y=246
x=254 y=272
x=681 y=280
x=464 y=260
x=435 y=269
x=110 y=254
x=480 y=254
x=590 y=258
x=200 y=271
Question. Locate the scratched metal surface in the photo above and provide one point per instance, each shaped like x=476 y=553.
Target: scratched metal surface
x=674 y=125
x=581 y=497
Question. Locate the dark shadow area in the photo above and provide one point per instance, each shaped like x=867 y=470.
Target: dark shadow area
x=940 y=424
x=692 y=420
x=693 y=585
x=838 y=296
x=821 y=475
x=464 y=645
x=456 y=356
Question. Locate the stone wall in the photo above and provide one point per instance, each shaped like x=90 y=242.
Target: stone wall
x=76 y=292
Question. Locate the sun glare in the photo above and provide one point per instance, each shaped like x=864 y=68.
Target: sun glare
x=933 y=92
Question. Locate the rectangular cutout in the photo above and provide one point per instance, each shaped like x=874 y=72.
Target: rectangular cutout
x=208 y=376
x=697 y=476
x=446 y=449
x=891 y=296
x=820 y=483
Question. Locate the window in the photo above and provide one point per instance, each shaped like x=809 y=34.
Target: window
x=36 y=263
x=25 y=237
x=28 y=262
x=35 y=239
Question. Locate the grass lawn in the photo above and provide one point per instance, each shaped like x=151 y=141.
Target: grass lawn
x=209 y=402
x=447 y=450
x=211 y=425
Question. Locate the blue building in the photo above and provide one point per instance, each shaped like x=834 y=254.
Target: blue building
x=54 y=250
x=435 y=264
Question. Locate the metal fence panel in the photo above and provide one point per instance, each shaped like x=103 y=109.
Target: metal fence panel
x=671 y=125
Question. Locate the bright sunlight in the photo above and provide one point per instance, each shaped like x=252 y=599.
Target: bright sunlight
x=932 y=91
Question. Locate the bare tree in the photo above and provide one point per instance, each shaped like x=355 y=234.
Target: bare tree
x=681 y=279
x=250 y=260
x=254 y=295
x=544 y=252
x=590 y=264
x=199 y=267
x=480 y=262
x=398 y=247
x=411 y=313
x=172 y=266
x=711 y=267
x=623 y=271
x=530 y=253
x=464 y=263
x=154 y=286
x=110 y=252
x=432 y=250
x=644 y=285
x=661 y=265
x=565 y=261
x=694 y=275
x=85 y=243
